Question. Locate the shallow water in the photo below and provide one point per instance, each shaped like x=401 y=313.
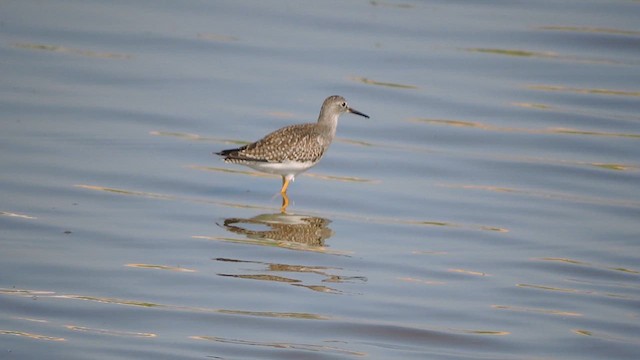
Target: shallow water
x=487 y=210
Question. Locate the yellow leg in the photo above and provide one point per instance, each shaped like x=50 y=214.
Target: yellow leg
x=285 y=185
x=285 y=202
x=283 y=192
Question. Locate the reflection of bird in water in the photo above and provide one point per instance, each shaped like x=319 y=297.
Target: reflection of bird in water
x=301 y=229
x=292 y=149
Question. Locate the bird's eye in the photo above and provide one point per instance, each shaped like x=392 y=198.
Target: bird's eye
x=344 y=104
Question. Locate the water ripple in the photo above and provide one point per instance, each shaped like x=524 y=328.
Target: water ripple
x=73 y=51
x=30 y=335
x=280 y=345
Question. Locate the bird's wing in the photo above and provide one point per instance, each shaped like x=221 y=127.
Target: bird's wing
x=300 y=142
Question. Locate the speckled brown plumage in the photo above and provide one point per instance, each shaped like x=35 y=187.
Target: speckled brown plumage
x=302 y=142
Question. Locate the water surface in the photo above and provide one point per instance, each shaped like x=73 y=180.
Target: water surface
x=487 y=210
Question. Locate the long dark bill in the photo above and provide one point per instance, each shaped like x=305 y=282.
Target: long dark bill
x=354 y=111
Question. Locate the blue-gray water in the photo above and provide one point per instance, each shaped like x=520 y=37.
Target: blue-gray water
x=489 y=209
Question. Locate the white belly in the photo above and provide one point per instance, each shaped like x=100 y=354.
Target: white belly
x=285 y=168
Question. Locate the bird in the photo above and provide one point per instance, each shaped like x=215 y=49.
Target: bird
x=292 y=149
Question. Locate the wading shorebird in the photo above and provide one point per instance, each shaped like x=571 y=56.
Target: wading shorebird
x=293 y=149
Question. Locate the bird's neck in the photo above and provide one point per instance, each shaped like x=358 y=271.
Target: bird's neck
x=331 y=122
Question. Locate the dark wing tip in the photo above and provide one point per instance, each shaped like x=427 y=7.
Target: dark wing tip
x=234 y=154
x=230 y=152
x=224 y=152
